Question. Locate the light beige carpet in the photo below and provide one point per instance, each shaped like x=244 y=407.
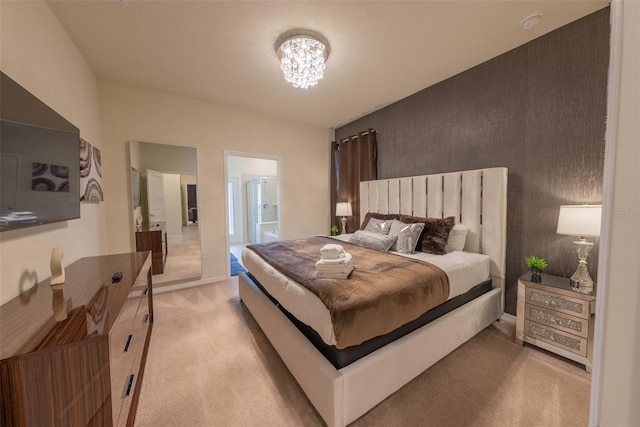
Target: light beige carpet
x=209 y=364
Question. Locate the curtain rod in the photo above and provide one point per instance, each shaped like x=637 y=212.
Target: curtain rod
x=366 y=132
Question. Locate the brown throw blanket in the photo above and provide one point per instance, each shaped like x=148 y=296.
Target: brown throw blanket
x=384 y=292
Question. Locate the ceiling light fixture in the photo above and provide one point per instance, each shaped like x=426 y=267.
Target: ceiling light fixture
x=531 y=21
x=302 y=55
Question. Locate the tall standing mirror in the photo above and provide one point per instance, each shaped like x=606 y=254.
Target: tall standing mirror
x=165 y=209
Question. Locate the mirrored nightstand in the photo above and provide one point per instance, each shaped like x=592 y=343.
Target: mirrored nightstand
x=554 y=317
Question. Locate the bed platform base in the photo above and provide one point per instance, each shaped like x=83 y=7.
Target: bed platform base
x=342 y=396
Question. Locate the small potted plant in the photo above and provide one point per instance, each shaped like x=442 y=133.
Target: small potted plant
x=537 y=265
x=334 y=230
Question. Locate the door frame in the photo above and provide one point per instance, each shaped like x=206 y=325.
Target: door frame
x=237 y=220
x=608 y=188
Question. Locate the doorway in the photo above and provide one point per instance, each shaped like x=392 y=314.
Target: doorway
x=253 y=200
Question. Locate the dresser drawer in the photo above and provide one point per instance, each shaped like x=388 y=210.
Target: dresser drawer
x=124 y=342
x=125 y=380
x=131 y=382
x=140 y=330
x=556 y=302
x=569 y=342
x=564 y=322
x=121 y=336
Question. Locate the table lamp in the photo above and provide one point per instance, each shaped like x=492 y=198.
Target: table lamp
x=583 y=221
x=343 y=209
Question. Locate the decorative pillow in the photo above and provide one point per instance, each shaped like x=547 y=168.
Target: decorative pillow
x=457 y=238
x=375 y=241
x=433 y=239
x=408 y=235
x=384 y=217
x=379 y=226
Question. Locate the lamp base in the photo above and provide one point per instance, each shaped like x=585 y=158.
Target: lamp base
x=344 y=224
x=581 y=280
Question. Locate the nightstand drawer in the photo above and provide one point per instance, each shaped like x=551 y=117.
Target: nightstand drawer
x=556 y=302
x=557 y=320
x=569 y=342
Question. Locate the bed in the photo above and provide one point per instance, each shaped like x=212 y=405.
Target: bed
x=341 y=392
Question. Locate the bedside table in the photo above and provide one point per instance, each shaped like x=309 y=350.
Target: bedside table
x=556 y=318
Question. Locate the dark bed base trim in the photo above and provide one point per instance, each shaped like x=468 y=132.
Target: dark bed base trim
x=340 y=358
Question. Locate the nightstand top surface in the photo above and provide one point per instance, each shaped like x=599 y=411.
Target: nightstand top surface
x=552 y=281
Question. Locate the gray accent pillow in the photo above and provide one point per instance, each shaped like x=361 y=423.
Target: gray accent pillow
x=408 y=236
x=376 y=241
x=385 y=217
x=379 y=226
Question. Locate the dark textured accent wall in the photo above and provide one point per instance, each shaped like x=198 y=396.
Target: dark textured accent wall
x=538 y=110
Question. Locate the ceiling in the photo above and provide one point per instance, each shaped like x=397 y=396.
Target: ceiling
x=223 y=51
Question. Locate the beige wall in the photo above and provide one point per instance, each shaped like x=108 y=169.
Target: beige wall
x=37 y=53
x=130 y=113
x=188 y=179
x=167 y=158
x=237 y=165
x=617 y=379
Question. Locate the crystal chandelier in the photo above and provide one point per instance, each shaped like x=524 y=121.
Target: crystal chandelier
x=302 y=56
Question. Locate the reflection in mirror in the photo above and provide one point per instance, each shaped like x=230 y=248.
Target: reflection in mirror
x=165 y=210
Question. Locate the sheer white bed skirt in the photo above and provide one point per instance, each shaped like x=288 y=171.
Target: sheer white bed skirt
x=342 y=396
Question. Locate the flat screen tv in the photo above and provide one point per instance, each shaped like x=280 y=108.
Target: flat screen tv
x=39 y=161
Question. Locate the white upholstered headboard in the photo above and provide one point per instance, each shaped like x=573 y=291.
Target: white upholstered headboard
x=477 y=198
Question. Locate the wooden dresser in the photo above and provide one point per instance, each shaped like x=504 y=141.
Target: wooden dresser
x=553 y=316
x=74 y=354
x=154 y=238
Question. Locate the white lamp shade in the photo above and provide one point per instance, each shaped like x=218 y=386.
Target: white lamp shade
x=580 y=220
x=343 y=209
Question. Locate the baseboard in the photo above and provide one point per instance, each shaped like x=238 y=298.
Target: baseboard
x=185 y=285
x=506 y=317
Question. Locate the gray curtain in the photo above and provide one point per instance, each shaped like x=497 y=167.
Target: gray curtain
x=353 y=159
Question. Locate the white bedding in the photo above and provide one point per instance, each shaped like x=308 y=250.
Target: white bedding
x=464 y=269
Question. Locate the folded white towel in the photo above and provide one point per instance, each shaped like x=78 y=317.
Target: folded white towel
x=343 y=259
x=335 y=268
x=331 y=276
x=331 y=248
x=333 y=256
x=323 y=275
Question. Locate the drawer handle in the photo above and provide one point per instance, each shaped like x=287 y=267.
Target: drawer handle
x=128 y=384
x=145 y=292
x=128 y=343
x=145 y=318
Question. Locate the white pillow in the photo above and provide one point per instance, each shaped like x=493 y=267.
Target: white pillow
x=407 y=234
x=457 y=238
